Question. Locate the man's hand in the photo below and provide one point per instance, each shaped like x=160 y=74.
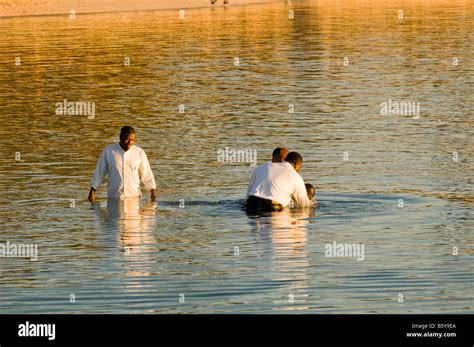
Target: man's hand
x=91 y=196
x=152 y=195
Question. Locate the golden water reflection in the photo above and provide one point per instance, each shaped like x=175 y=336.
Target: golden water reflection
x=285 y=234
x=132 y=224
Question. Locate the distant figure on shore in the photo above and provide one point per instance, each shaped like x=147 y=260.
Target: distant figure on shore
x=214 y=1
x=274 y=185
x=126 y=165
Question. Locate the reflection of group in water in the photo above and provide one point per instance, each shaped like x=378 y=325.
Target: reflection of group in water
x=273 y=186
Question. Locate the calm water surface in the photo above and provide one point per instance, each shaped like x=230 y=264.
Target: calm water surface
x=137 y=257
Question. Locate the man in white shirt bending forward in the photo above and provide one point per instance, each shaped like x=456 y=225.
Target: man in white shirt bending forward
x=126 y=164
x=274 y=185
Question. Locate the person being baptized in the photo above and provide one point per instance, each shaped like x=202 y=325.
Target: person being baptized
x=311 y=192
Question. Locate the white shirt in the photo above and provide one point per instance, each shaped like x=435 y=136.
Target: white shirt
x=125 y=168
x=278 y=182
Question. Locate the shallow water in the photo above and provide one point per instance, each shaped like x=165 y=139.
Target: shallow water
x=139 y=258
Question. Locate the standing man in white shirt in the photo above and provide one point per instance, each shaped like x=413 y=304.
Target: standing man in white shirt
x=125 y=164
x=274 y=185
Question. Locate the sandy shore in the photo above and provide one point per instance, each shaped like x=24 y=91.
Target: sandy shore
x=10 y=8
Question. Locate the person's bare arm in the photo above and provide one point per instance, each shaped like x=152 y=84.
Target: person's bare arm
x=91 y=196
x=146 y=176
x=300 y=196
x=100 y=172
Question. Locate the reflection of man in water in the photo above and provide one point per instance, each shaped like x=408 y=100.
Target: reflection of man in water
x=125 y=164
x=128 y=224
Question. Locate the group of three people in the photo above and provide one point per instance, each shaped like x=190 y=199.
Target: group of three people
x=272 y=187
x=276 y=185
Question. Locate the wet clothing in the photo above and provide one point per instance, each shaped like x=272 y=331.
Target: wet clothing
x=280 y=183
x=125 y=170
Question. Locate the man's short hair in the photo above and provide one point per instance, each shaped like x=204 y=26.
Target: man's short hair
x=126 y=130
x=278 y=154
x=294 y=158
